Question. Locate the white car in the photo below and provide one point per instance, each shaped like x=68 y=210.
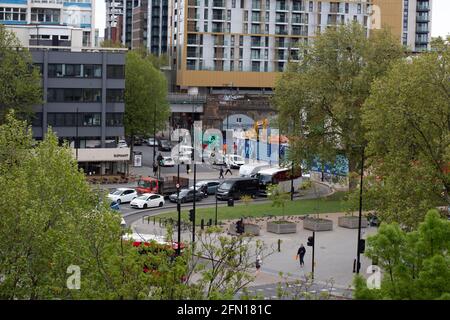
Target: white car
x=152 y=142
x=234 y=161
x=167 y=162
x=122 y=144
x=122 y=195
x=148 y=200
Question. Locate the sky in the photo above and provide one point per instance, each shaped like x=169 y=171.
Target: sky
x=440 y=16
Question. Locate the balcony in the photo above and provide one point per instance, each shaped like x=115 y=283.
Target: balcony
x=218 y=4
x=256 y=29
x=256 y=5
x=282 y=20
x=220 y=17
x=422 y=18
x=298 y=7
x=282 y=7
x=423 y=6
x=422 y=30
x=281 y=44
x=256 y=44
x=421 y=40
x=300 y=20
x=281 y=31
x=218 y=29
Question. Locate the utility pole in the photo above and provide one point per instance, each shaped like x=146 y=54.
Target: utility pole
x=216 y=207
x=154 y=134
x=178 y=199
x=314 y=245
x=193 y=205
x=358 y=262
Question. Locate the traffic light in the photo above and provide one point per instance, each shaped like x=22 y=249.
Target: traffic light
x=310 y=241
x=362 y=245
x=191 y=215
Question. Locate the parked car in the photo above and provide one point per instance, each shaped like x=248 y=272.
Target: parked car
x=234 y=161
x=122 y=195
x=167 y=162
x=138 y=141
x=148 y=200
x=236 y=188
x=122 y=144
x=187 y=195
x=151 y=142
x=164 y=145
x=207 y=187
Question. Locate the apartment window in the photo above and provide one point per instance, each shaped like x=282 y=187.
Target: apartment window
x=13 y=14
x=114 y=119
x=228 y=15
x=232 y=39
x=266 y=28
x=45 y=15
x=205 y=27
x=359 y=8
x=240 y=65
x=92 y=70
x=231 y=65
x=311 y=6
x=267 y=16
x=242 y=4
x=245 y=28
x=228 y=27
x=267 y=4
x=319 y=6
x=266 y=66
x=241 y=40
x=267 y=41
x=241 y=53
x=205 y=15
x=255 y=66
x=233 y=4
x=206 y=3
x=245 y=15
x=232 y=53
x=346 y=7
x=115 y=95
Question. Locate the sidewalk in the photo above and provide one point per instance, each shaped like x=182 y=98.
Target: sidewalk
x=334 y=252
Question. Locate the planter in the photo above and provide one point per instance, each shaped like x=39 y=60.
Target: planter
x=249 y=229
x=281 y=227
x=351 y=222
x=314 y=224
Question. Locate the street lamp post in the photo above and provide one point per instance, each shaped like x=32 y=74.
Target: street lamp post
x=193 y=205
x=154 y=134
x=358 y=262
x=178 y=199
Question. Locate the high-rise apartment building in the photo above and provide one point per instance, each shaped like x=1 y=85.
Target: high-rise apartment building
x=409 y=20
x=138 y=23
x=246 y=43
x=43 y=20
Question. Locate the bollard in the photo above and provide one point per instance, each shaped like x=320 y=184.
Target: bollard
x=202 y=224
x=154 y=220
x=279 y=245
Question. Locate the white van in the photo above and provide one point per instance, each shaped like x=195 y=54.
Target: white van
x=234 y=161
x=250 y=170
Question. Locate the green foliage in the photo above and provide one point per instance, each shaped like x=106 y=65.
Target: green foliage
x=406 y=117
x=325 y=90
x=415 y=264
x=277 y=196
x=20 y=83
x=145 y=96
x=111 y=44
x=246 y=199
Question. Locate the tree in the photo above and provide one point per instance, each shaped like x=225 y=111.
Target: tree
x=408 y=131
x=145 y=97
x=20 y=83
x=415 y=264
x=111 y=44
x=319 y=98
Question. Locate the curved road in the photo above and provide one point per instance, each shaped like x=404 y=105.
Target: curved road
x=131 y=215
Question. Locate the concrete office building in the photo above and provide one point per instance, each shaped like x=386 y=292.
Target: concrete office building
x=409 y=20
x=35 y=16
x=83 y=94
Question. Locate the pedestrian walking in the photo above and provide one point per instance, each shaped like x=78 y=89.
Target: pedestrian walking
x=188 y=168
x=235 y=147
x=155 y=169
x=221 y=173
x=258 y=263
x=301 y=253
x=228 y=170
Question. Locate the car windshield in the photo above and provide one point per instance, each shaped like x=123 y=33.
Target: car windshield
x=265 y=178
x=144 y=184
x=142 y=198
x=165 y=142
x=226 y=185
x=117 y=192
x=168 y=159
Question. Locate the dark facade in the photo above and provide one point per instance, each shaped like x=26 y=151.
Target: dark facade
x=83 y=94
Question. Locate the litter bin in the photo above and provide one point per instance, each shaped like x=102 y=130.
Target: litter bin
x=137 y=158
x=231 y=202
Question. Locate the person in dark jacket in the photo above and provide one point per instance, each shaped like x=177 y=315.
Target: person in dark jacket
x=221 y=173
x=301 y=253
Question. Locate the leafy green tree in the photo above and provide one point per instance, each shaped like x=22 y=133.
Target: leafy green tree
x=111 y=44
x=407 y=120
x=145 y=97
x=415 y=264
x=20 y=83
x=319 y=98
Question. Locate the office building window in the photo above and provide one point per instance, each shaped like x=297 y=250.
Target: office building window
x=115 y=95
x=45 y=15
x=62 y=119
x=74 y=95
x=115 y=71
x=75 y=70
x=114 y=119
x=92 y=70
x=89 y=119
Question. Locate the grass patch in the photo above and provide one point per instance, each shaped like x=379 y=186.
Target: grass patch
x=334 y=203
